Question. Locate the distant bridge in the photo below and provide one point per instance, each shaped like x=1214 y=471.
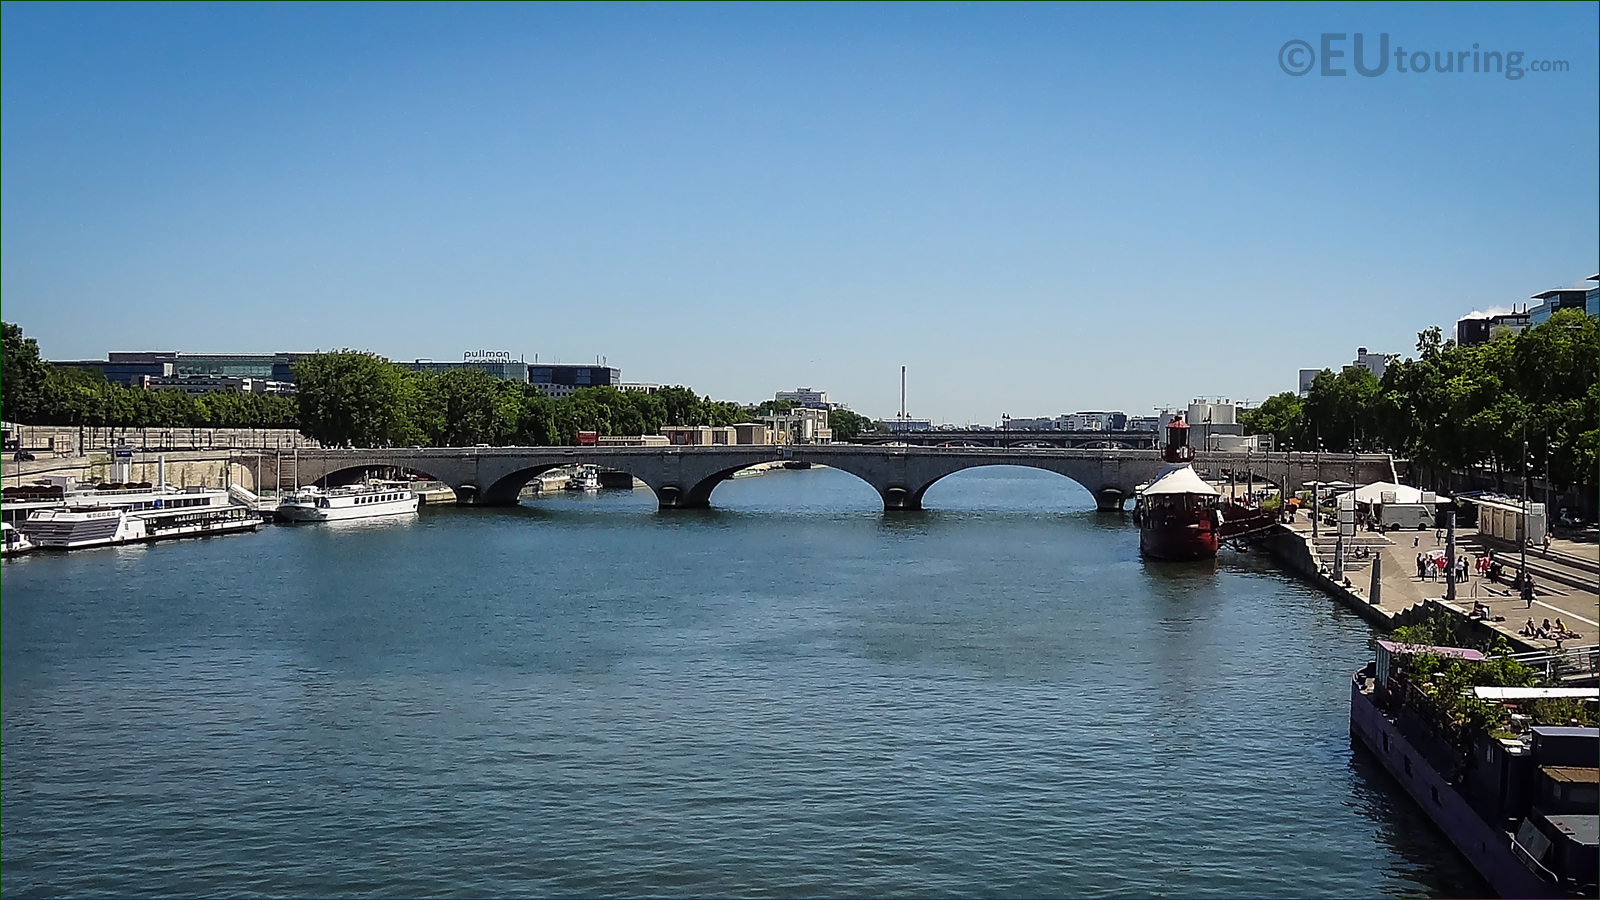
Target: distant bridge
x=987 y=437
x=684 y=477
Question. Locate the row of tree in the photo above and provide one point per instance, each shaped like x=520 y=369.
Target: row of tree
x=1452 y=408
x=351 y=398
x=358 y=399
x=37 y=393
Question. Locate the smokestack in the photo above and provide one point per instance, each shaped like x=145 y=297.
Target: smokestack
x=902 y=392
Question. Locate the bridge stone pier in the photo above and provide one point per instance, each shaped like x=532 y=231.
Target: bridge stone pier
x=684 y=477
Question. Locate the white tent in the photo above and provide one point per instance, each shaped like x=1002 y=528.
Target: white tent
x=1180 y=480
x=1373 y=493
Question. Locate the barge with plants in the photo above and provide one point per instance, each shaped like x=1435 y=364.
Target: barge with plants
x=1503 y=765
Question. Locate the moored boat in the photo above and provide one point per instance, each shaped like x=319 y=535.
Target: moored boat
x=368 y=499
x=1177 y=511
x=14 y=541
x=190 y=513
x=584 y=478
x=1516 y=797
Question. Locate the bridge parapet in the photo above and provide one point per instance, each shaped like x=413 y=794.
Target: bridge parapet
x=684 y=477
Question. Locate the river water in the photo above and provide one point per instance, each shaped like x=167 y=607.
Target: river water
x=791 y=694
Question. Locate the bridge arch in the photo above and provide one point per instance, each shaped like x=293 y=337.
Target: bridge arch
x=505 y=490
x=904 y=481
x=698 y=495
x=351 y=474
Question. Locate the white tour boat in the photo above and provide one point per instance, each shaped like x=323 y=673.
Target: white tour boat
x=357 y=501
x=15 y=541
x=158 y=515
x=585 y=478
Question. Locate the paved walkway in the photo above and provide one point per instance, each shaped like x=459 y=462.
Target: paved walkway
x=1578 y=607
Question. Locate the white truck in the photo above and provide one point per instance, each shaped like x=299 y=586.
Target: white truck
x=1392 y=515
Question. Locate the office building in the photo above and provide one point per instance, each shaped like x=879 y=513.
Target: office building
x=560 y=380
x=138 y=368
x=1043 y=423
x=1552 y=302
x=802 y=425
x=807 y=398
x=1479 y=328
x=1376 y=363
x=699 y=435
x=211 y=384
x=509 y=369
x=1143 y=423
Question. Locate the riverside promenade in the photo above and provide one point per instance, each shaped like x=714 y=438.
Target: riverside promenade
x=1565 y=581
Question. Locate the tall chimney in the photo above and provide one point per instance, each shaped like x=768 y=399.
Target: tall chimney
x=902 y=392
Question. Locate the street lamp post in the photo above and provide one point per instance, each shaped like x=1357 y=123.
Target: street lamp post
x=1522 y=533
x=1316 y=491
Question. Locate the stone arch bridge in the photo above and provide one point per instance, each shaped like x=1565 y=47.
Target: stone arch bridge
x=684 y=477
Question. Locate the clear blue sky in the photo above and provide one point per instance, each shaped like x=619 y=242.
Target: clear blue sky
x=1038 y=209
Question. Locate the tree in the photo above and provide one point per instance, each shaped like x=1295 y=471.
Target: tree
x=350 y=398
x=23 y=376
x=470 y=411
x=1281 y=415
x=770 y=407
x=1339 y=409
x=536 y=419
x=681 y=405
x=846 y=425
x=719 y=413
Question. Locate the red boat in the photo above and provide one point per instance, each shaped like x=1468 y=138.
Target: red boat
x=1178 y=512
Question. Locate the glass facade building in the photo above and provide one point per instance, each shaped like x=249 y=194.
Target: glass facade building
x=510 y=371
x=574 y=376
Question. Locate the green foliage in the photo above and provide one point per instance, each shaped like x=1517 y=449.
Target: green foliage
x=846 y=425
x=353 y=398
x=1452 y=408
x=469 y=400
x=1282 y=416
x=1340 y=409
x=769 y=407
x=22 y=377
x=350 y=398
x=37 y=393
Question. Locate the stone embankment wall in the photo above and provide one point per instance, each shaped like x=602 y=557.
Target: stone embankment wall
x=213 y=469
x=1294 y=552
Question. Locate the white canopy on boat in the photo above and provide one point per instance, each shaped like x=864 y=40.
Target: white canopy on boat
x=1532 y=693
x=1180 y=480
x=1373 y=493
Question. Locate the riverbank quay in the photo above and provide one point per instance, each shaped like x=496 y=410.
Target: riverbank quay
x=1564 y=587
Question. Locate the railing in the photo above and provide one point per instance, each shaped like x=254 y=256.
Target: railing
x=1568 y=664
x=148 y=439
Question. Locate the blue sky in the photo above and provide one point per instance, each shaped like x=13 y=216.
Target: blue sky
x=1037 y=209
